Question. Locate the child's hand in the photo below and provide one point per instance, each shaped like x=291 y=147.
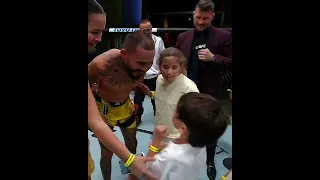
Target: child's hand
x=145 y=89
x=161 y=132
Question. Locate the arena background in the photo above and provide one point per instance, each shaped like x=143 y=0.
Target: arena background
x=128 y=14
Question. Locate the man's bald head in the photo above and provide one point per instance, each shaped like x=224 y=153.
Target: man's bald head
x=146 y=27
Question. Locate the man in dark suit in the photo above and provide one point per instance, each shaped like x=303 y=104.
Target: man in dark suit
x=207 y=50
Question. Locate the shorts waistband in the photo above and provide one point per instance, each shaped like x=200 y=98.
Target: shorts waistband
x=112 y=104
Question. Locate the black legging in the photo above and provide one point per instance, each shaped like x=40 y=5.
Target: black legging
x=211 y=151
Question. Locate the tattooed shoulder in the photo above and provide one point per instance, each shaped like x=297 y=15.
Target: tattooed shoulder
x=114 y=71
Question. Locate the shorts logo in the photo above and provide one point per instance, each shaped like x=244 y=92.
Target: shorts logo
x=105 y=109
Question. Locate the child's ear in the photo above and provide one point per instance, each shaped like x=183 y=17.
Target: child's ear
x=183 y=129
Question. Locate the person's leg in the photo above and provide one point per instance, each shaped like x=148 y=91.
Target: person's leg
x=154 y=106
x=129 y=135
x=111 y=112
x=211 y=169
x=105 y=161
x=151 y=83
x=138 y=101
x=211 y=150
x=128 y=128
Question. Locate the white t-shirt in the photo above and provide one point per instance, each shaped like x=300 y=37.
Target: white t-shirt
x=166 y=98
x=179 y=162
x=154 y=71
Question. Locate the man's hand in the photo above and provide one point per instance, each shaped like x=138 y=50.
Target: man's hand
x=145 y=89
x=205 y=55
x=139 y=168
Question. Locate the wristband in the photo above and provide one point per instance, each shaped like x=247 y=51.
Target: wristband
x=130 y=160
x=152 y=95
x=153 y=149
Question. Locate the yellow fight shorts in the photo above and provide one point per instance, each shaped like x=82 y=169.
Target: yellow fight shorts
x=90 y=161
x=117 y=114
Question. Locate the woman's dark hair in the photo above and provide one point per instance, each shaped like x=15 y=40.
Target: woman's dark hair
x=204 y=117
x=94 y=7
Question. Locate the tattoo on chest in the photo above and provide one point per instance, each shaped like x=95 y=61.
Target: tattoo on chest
x=115 y=73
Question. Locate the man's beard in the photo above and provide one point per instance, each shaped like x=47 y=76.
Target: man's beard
x=203 y=28
x=131 y=72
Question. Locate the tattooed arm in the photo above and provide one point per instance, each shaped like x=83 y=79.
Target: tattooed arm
x=99 y=64
x=92 y=73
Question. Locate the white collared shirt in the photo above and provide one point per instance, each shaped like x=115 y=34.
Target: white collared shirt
x=179 y=162
x=154 y=71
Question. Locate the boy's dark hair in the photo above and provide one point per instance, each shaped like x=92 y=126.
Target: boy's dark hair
x=205 y=5
x=204 y=117
x=135 y=39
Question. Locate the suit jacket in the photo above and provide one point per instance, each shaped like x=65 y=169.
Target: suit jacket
x=219 y=44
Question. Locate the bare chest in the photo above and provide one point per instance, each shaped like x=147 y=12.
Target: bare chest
x=115 y=90
x=114 y=84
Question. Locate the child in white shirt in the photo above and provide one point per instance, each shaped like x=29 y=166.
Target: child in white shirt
x=201 y=120
x=170 y=86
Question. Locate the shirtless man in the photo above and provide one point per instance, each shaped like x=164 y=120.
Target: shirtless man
x=116 y=73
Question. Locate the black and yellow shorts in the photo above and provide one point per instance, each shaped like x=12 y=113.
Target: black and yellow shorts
x=117 y=114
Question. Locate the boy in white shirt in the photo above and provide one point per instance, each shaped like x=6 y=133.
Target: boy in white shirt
x=201 y=120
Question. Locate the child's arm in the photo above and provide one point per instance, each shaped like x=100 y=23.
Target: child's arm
x=160 y=132
x=155 y=143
